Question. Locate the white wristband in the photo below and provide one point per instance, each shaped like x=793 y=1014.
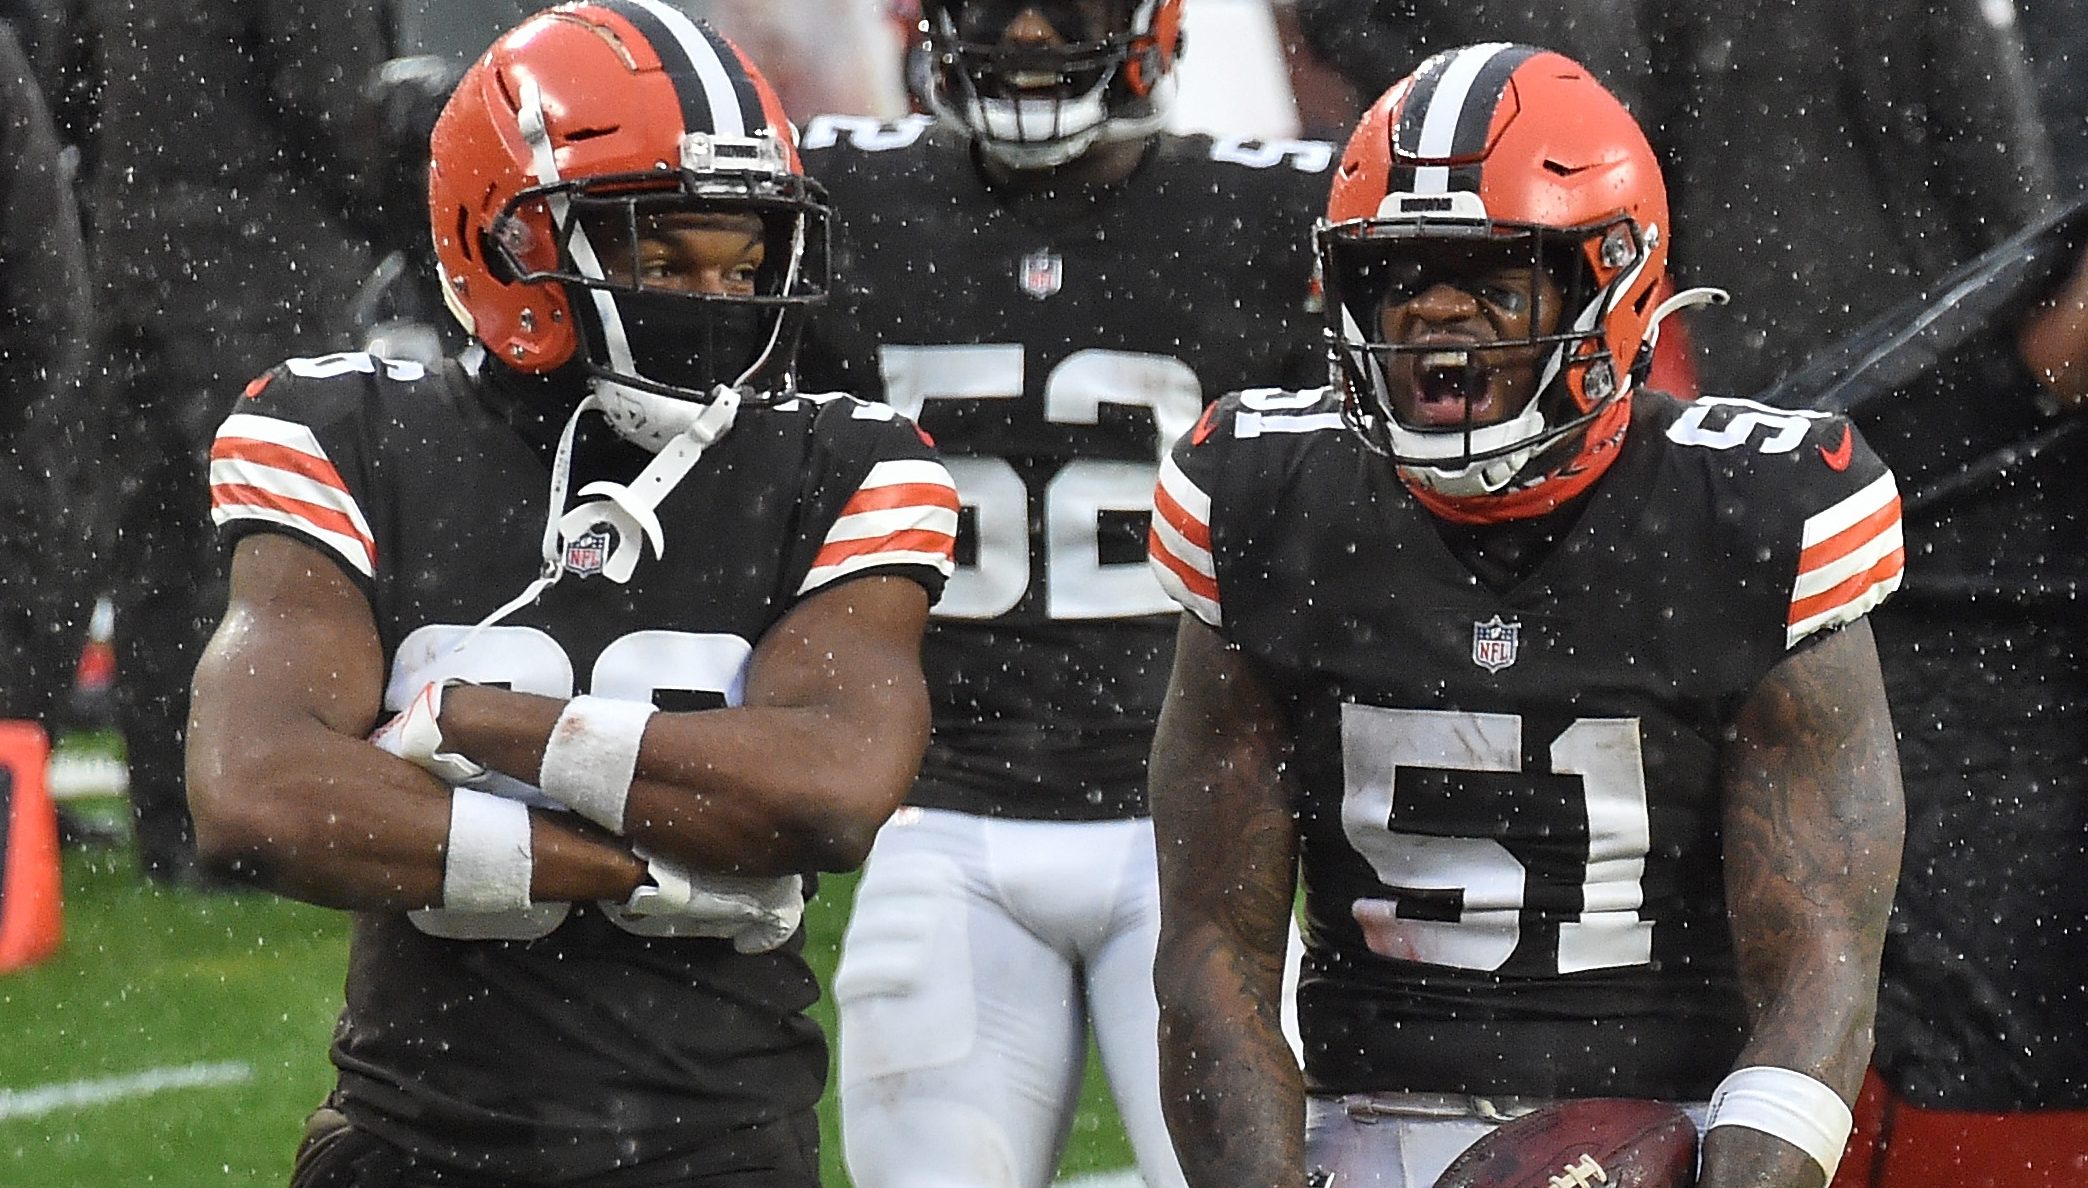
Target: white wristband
x=1790 y=1105
x=592 y=755
x=488 y=865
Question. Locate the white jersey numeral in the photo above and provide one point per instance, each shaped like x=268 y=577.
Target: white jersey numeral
x=633 y=667
x=1078 y=584
x=1305 y=156
x=1739 y=421
x=404 y=371
x=1475 y=887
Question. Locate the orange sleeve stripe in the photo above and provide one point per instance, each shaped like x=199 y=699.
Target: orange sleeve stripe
x=325 y=519
x=1197 y=581
x=1193 y=530
x=1888 y=567
x=911 y=540
x=277 y=457
x=1849 y=539
x=900 y=495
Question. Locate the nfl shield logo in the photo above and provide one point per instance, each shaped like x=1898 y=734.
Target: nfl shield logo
x=1041 y=273
x=1494 y=643
x=586 y=554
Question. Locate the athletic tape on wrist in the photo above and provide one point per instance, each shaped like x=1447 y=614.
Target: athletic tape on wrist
x=488 y=866
x=592 y=755
x=1790 y=1105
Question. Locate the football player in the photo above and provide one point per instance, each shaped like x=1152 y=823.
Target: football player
x=1054 y=287
x=618 y=736
x=1557 y=691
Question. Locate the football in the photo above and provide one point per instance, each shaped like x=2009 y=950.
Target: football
x=1595 y=1142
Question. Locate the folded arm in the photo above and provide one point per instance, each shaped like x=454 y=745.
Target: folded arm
x=286 y=789
x=799 y=777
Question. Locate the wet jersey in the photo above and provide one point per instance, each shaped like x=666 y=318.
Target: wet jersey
x=558 y=1041
x=1509 y=807
x=1054 y=346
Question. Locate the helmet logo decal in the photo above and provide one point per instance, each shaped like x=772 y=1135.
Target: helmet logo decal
x=1458 y=205
x=1495 y=643
x=1041 y=273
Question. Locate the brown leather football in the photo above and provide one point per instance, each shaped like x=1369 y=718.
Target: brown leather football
x=1593 y=1142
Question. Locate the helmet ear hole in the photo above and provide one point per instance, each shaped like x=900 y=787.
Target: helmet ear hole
x=496 y=261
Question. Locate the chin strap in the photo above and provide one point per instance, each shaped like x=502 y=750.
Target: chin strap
x=627 y=509
x=1686 y=299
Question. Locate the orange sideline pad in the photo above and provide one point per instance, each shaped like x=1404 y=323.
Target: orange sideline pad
x=1898 y=1145
x=30 y=897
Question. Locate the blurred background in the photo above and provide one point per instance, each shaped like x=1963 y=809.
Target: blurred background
x=1891 y=192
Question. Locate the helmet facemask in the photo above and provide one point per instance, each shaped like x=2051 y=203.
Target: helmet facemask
x=657 y=347
x=1560 y=366
x=1040 y=106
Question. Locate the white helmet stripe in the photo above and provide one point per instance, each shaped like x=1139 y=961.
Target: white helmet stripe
x=718 y=91
x=1446 y=104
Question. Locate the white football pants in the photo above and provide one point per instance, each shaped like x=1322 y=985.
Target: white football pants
x=979 y=953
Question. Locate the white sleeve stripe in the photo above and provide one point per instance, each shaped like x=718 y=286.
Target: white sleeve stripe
x=1184 y=492
x=289 y=485
x=871 y=524
x=274 y=430
x=1180 y=548
x=823 y=574
x=355 y=552
x=1827 y=524
x=1813 y=582
x=893 y=472
x=1196 y=604
x=1846 y=612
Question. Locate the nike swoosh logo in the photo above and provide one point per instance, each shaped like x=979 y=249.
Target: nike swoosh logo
x=1838 y=457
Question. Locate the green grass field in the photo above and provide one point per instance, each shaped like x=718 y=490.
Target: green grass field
x=179 y=1038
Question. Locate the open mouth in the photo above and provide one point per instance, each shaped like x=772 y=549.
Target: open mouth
x=1451 y=387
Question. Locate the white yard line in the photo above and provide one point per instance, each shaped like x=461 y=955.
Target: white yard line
x=39 y=1100
x=1127 y=1178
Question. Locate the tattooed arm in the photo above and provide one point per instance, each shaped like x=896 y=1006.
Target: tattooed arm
x=1234 y=1098
x=1813 y=823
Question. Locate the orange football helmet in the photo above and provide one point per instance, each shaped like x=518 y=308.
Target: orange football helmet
x=1509 y=145
x=574 y=126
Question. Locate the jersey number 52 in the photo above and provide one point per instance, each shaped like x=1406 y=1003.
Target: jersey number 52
x=1077 y=583
x=1487 y=883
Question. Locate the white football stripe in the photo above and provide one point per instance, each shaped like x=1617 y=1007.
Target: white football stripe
x=1818 y=581
x=39 y=1100
x=357 y=553
x=1184 y=492
x=289 y=485
x=1846 y=612
x=290 y=436
x=823 y=574
x=1826 y=524
x=884 y=522
x=1183 y=549
x=894 y=472
x=1196 y=604
x=274 y=430
x=1445 y=108
x=717 y=85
